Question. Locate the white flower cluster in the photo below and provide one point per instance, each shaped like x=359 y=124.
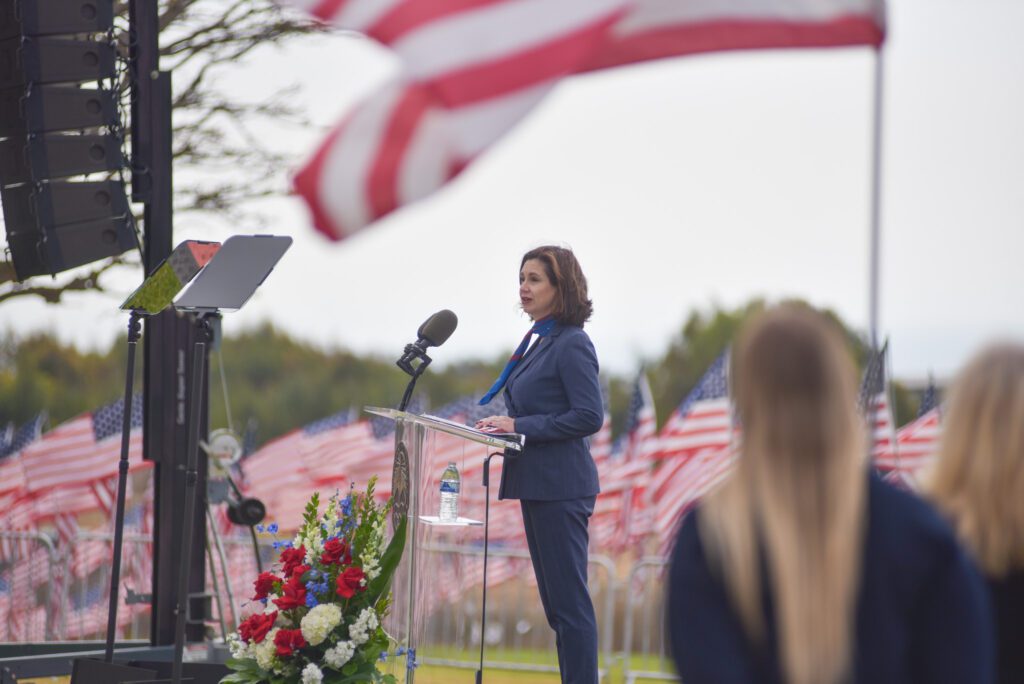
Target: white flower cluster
x=370 y=557
x=319 y=622
x=312 y=675
x=340 y=654
x=331 y=514
x=266 y=651
x=359 y=630
x=238 y=648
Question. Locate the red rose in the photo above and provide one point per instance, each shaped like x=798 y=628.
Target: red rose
x=288 y=641
x=290 y=558
x=299 y=570
x=350 y=581
x=264 y=584
x=293 y=594
x=255 y=627
x=335 y=552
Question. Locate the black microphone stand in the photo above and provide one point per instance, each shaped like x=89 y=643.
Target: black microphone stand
x=507 y=453
x=412 y=352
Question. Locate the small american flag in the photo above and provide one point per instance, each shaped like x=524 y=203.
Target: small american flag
x=917 y=442
x=12 y=471
x=83 y=449
x=874 y=403
x=695 y=447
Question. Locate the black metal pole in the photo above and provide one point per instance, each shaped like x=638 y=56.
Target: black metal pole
x=487 y=520
x=134 y=326
x=191 y=476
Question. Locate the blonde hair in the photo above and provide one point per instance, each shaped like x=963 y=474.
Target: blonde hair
x=797 y=494
x=979 y=473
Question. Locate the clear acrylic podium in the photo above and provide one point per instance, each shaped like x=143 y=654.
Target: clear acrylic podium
x=415 y=473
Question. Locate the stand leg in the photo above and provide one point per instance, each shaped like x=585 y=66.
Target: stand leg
x=122 y=484
x=191 y=476
x=487 y=520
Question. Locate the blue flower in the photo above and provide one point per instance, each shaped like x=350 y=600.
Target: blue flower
x=259 y=528
x=272 y=528
x=314 y=573
x=277 y=544
x=383 y=657
x=410 y=661
x=311 y=601
x=400 y=651
x=346 y=505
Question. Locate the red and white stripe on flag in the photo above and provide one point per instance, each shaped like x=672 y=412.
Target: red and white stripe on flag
x=471 y=69
x=882 y=426
x=916 y=445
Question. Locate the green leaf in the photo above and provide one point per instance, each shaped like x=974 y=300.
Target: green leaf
x=388 y=563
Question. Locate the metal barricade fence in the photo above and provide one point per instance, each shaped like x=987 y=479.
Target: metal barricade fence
x=644 y=647
x=85 y=580
x=29 y=587
x=61 y=593
x=515 y=618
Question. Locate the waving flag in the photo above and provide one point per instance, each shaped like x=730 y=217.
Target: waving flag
x=916 y=442
x=695 y=449
x=471 y=69
x=874 y=403
x=12 y=473
x=83 y=449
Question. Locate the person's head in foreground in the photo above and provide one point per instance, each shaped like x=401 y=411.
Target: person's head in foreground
x=978 y=479
x=797 y=493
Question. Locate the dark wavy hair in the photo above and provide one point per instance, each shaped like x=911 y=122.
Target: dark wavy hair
x=572 y=307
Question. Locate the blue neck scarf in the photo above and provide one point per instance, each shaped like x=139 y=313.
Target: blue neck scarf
x=543 y=328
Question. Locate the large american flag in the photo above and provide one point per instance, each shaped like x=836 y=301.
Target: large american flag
x=471 y=69
x=875 y=405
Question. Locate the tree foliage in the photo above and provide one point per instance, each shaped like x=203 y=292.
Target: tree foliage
x=277 y=383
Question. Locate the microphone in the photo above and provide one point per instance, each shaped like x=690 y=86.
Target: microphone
x=434 y=332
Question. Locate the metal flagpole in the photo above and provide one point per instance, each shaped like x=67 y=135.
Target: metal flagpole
x=876 y=201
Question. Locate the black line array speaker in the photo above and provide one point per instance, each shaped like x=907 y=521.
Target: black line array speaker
x=64 y=204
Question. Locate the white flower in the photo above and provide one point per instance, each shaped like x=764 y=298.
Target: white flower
x=239 y=649
x=366 y=621
x=314 y=545
x=319 y=622
x=266 y=651
x=340 y=654
x=312 y=675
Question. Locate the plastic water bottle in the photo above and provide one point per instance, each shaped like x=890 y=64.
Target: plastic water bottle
x=449 y=494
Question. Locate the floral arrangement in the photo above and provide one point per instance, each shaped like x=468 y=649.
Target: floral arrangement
x=317 y=617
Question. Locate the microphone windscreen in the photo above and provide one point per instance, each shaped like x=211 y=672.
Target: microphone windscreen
x=438 y=328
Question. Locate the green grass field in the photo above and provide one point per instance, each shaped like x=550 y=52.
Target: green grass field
x=434 y=674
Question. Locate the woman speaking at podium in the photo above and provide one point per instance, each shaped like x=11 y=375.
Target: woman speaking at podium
x=554 y=400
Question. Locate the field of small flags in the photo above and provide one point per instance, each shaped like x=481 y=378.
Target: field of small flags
x=57 y=490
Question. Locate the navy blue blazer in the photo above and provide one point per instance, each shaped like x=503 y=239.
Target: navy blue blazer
x=922 y=610
x=555 y=397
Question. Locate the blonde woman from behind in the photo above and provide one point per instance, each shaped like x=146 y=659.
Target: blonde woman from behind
x=978 y=481
x=803 y=567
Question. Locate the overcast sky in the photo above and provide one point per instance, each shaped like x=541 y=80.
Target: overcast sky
x=679 y=184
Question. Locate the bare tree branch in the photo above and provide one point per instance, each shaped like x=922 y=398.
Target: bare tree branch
x=199 y=40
